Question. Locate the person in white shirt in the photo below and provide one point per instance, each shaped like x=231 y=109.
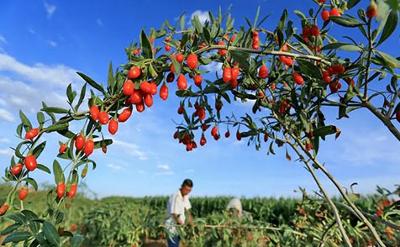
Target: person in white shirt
x=235 y=207
x=178 y=205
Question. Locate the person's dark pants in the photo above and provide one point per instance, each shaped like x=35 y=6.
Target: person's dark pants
x=173 y=241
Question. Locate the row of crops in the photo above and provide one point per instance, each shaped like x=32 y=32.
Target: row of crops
x=307 y=221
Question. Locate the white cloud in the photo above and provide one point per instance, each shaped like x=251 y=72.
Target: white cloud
x=4 y=140
x=31 y=30
x=26 y=86
x=6 y=115
x=50 y=9
x=142 y=172
x=99 y=22
x=53 y=74
x=3 y=40
x=115 y=167
x=132 y=149
x=164 y=167
x=52 y=43
x=6 y=152
x=214 y=67
x=366 y=147
x=203 y=16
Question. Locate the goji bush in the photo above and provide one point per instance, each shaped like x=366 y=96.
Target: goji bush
x=291 y=74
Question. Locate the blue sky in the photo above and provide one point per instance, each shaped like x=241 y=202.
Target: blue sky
x=41 y=50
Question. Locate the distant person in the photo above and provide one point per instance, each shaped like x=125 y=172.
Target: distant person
x=178 y=205
x=234 y=207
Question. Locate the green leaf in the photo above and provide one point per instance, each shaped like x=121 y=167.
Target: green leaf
x=32 y=182
x=325 y=130
x=44 y=168
x=77 y=240
x=39 y=149
x=342 y=46
x=56 y=127
x=309 y=68
x=29 y=215
x=345 y=21
x=66 y=133
x=182 y=22
x=391 y=61
x=256 y=18
x=390 y=26
x=10 y=229
x=146 y=45
x=51 y=115
x=81 y=97
x=50 y=233
x=106 y=142
x=55 y=110
x=59 y=217
x=352 y=3
x=16 y=237
x=152 y=71
x=300 y=14
x=197 y=24
x=17 y=149
x=316 y=145
x=40 y=118
x=58 y=172
x=110 y=77
x=92 y=82
x=282 y=20
x=17 y=217
x=70 y=94
x=25 y=121
x=177 y=66
x=19 y=130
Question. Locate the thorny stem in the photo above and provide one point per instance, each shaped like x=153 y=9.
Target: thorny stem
x=365 y=96
x=359 y=214
x=324 y=192
x=263 y=52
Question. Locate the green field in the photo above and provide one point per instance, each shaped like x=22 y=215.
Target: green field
x=125 y=221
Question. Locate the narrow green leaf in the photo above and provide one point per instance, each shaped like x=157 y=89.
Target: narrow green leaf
x=345 y=21
x=146 y=45
x=390 y=26
x=55 y=110
x=44 y=168
x=10 y=229
x=77 y=240
x=16 y=237
x=58 y=172
x=352 y=3
x=98 y=144
x=50 y=233
x=51 y=115
x=182 y=22
x=70 y=93
x=32 y=182
x=40 y=118
x=81 y=97
x=197 y=24
x=110 y=77
x=391 y=61
x=39 y=149
x=92 y=82
x=256 y=18
x=342 y=46
x=56 y=127
x=325 y=130
x=25 y=121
